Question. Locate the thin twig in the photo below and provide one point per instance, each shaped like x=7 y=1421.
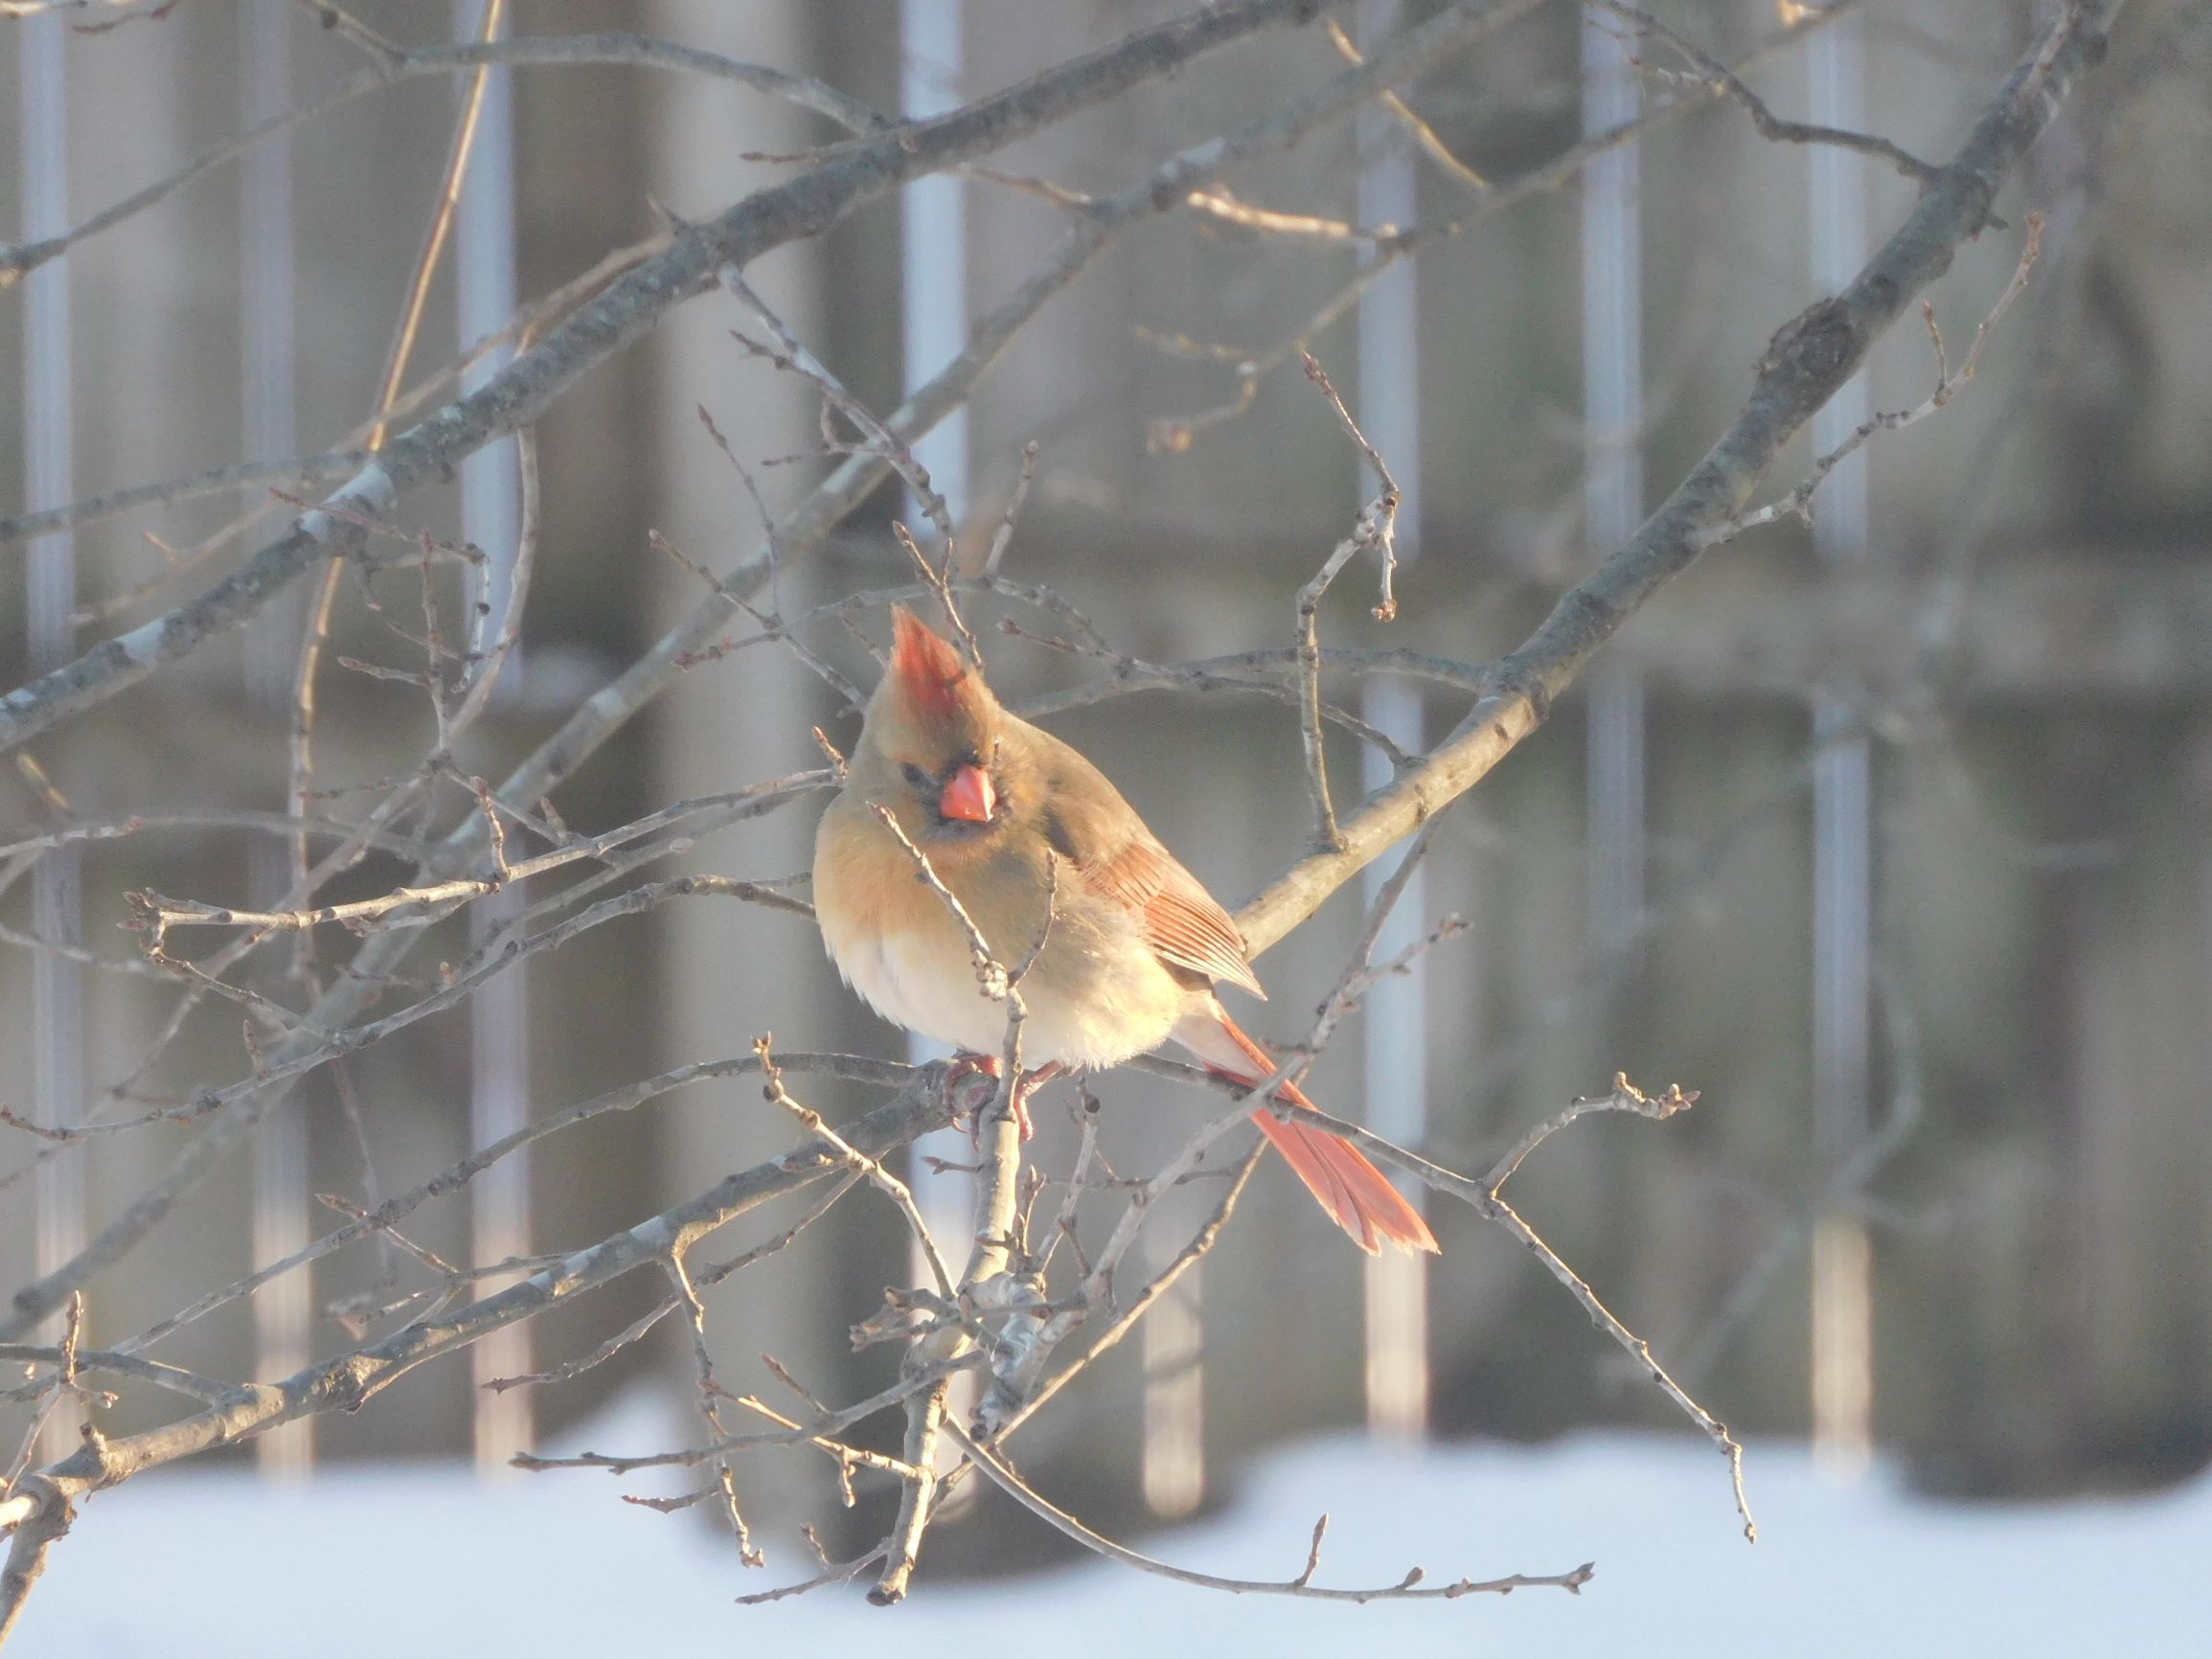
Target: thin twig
x=990 y=977
x=1771 y=126
x=1486 y=1198
x=855 y=1160
x=1798 y=503
x=1410 y=1588
x=1424 y=135
x=1372 y=528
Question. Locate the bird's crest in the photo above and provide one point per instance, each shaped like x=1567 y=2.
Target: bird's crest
x=929 y=671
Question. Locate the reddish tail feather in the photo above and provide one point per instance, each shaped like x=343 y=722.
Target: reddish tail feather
x=1359 y=1197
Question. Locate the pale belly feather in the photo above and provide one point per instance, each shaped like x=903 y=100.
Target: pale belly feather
x=1097 y=997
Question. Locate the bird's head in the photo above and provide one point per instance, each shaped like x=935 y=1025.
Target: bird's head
x=930 y=747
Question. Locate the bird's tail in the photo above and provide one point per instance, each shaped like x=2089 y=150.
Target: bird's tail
x=1359 y=1197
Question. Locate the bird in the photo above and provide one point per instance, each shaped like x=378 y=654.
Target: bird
x=1044 y=856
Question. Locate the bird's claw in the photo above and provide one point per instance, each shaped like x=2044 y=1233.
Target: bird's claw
x=969 y=1065
x=1027 y=1085
x=959 y=1072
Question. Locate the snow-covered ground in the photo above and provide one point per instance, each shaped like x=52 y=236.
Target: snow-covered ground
x=428 y=1560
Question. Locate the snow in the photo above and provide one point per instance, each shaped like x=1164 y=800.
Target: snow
x=430 y=1560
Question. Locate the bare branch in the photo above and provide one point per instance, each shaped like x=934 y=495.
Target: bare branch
x=174 y=1378
x=350 y=1379
x=1809 y=359
x=855 y=1160
x=19 y=261
x=1424 y=134
x=999 y=1131
x=1798 y=503
x=521 y=390
x=1721 y=79
x=1410 y=1588
x=239 y=475
x=990 y=977
x=1487 y=1199
x=1372 y=528
x=1003 y=536
x=625 y=1099
x=1252 y=364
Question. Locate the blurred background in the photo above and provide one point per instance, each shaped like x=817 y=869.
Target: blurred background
x=1885 y=834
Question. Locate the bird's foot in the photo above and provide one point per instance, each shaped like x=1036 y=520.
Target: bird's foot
x=967 y=1065
x=961 y=1070
x=1030 y=1082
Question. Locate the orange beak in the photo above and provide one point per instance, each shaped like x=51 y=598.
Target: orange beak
x=968 y=796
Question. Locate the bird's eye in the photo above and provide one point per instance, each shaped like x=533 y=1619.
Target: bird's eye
x=915 y=774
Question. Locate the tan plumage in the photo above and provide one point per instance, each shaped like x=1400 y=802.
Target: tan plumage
x=1136 y=939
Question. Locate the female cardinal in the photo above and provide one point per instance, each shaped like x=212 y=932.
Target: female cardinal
x=1135 y=943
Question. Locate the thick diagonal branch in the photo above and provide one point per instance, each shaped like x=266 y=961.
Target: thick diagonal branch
x=1807 y=361
x=522 y=391
x=351 y=1378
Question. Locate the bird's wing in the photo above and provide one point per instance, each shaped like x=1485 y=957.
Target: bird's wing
x=1118 y=858
x=1181 y=920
